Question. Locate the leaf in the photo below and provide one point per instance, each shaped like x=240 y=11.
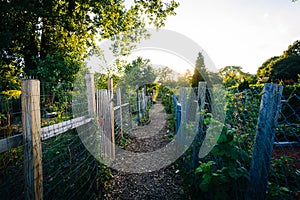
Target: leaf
x=284 y=189
x=203 y=186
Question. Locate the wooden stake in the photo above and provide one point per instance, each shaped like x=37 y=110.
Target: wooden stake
x=31 y=120
x=119 y=103
x=90 y=87
x=111 y=107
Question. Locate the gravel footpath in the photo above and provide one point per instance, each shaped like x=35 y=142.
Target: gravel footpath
x=162 y=184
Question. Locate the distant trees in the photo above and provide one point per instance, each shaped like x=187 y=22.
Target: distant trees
x=169 y=77
x=284 y=69
x=137 y=73
x=233 y=75
x=165 y=75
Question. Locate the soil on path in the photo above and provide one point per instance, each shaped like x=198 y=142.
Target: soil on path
x=162 y=184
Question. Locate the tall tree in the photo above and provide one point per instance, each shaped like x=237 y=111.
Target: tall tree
x=200 y=73
x=51 y=38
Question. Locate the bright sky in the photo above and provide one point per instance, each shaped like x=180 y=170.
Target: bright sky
x=239 y=32
x=231 y=32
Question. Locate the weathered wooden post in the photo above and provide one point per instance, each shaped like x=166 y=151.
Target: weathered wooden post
x=178 y=116
x=200 y=134
x=264 y=140
x=130 y=116
x=119 y=103
x=102 y=104
x=143 y=102
x=182 y=100
x=183 y=118
x=31 y=121
x=112 y=119
x=90 y=87
x=175 y=111
x=137 y=104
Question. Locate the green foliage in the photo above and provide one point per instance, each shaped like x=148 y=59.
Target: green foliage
x=10 y=84
x=166 y=98
x=224 y=172
x=220 y=181
x=290 y=109
x=138 y=73
x=243 y=86
x=124 y=141
x=101 y=80
x=264 y=71
x=233 y=75
x=284 y=69
x=277 y=187
x=50 y=39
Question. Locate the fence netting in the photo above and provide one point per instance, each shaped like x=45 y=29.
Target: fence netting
x=225 y=172
x=70 y=171
x=11 y=161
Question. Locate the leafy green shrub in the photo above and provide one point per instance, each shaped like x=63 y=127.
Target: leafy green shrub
x=222 y=181
x=165 y=94
x=278 y=187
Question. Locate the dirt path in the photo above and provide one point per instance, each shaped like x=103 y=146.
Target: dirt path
x=162 y=184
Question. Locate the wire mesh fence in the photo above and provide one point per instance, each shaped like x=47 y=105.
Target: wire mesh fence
x=67 y=169
x=70 y=171
x=12 y=174
x=11 y=161
x=226 y=172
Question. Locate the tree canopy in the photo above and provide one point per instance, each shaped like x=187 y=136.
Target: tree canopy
x=49 y=39
x=137 y=73
x=233 y=75
x=284 y=68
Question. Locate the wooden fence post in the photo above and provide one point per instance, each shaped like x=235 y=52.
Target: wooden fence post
x=31 y=120
x=102 y=102
x=137 y=104
x=143 y=102
x=90 y=86
x=201 y=103
x=175 y=111
x=130 y=116
x=200 y=134
x=119 y=103
x=264 y=140
x=182 y=100
x=112 y=119
x=183 y=117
